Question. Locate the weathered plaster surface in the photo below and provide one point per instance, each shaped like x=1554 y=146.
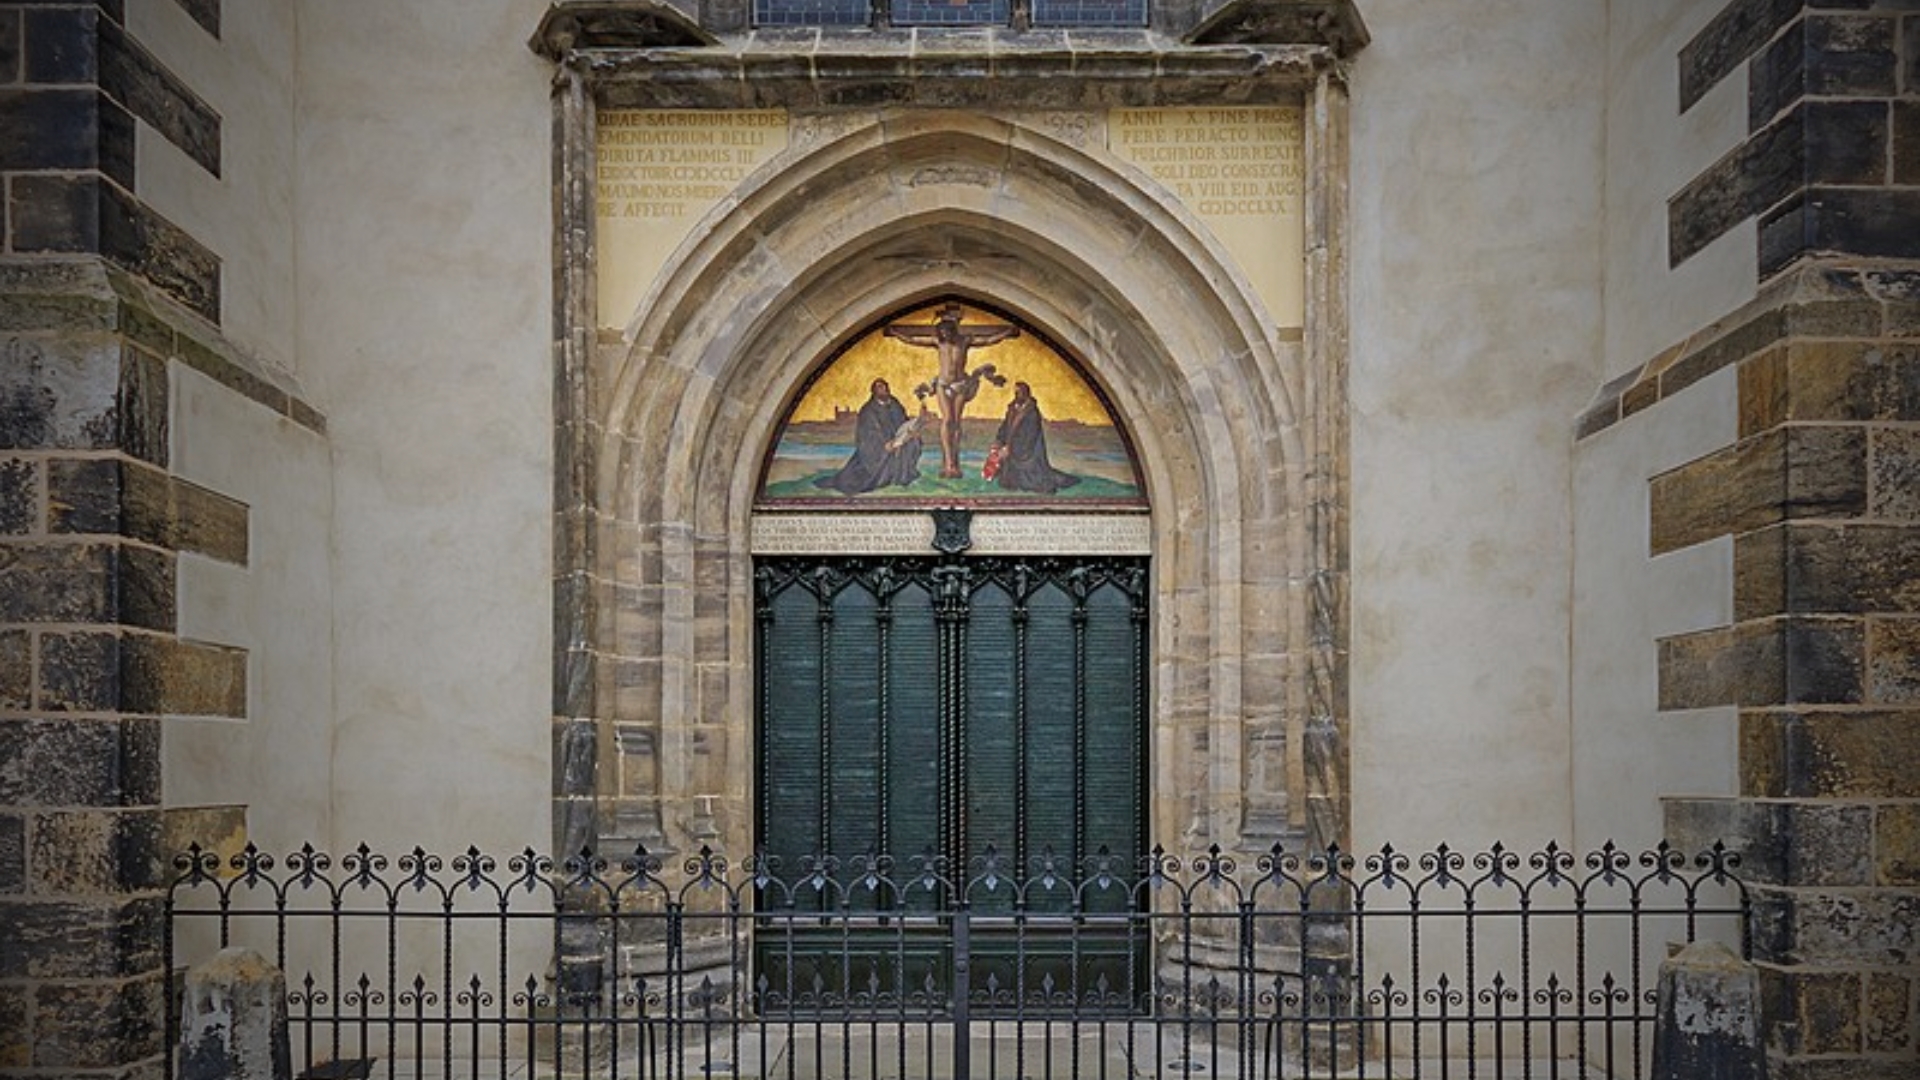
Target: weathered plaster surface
x=278 y=607
x=1477 y=143
x=424 y=263
x=1652 y=152
x=1627 y=755
x=246 y=213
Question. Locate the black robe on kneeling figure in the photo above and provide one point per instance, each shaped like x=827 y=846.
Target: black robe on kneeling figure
x=875 y=464
x=1024 y=434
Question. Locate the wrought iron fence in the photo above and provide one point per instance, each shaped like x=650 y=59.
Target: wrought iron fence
x=1443 y=964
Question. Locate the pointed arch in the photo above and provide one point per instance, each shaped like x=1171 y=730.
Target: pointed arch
x=893 y=213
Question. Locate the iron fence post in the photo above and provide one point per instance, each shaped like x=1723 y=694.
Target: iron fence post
x=962 y=990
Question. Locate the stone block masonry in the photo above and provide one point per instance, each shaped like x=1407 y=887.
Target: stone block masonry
x=1832 y=159
x=1818 y=497
x=75 y=86
x=89 y=661
x=99 y=298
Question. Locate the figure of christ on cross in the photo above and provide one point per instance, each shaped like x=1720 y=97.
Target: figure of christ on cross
x=954 y=386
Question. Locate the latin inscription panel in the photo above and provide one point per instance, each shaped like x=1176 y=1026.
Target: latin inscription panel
x=912 y=534
x=1242 y=171
x=659 y=172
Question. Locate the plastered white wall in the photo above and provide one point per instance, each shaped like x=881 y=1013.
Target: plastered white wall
x=425 y=325
x=1476 y=295
x=279 y=607
x=1652 y=153
x=245 y=215
x=1627 y=755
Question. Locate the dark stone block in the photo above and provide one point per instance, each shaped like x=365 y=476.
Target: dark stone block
x=1726 y=42
x=98 y=1026
x=81 y=394
x=1824 y=662
x=163 y=675
x=146 y=505
x=1886 y=1014
x=134 y=77
x=19 y=496
x=57 y=583
x=1895 y=476
x=61 y=45
x=1846 y=929
x=1893 y=662
x=143 y=406
x=49 y=129
x=1767 y=168
x=13 y=854
x=230 y=375
x=80 y=853
x=1759 y=573
x=149 y=245
x=1832 y=142
x=1812 y=1012
x=1849 y=55
x=16 y=670
x=208 y=523
x=1865 y=754
x=1598 y=418
x=1769 y=662
x=16 y=1031
x=55 y=214
x=1860 y=568
x=9 y=46
x=1906 y=138
x=1897 y=844
x=106 y=763
x=1874 y=222
x=1781 y=474
x=204 y=12
x=1750 y=338
x=125 y=498
x=1781 y=843
x=148 y=593
x=116 y=142
x=1833 y=319
x=72 y=939
x=1846 y=142
x=1910 y=49
x=1825 y=473
x=80 y=672
x=84 y=495
x=1776 y=79
x=1852 y=382
x=145 y=329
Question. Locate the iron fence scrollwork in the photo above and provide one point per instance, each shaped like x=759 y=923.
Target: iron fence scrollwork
x=1284 y=964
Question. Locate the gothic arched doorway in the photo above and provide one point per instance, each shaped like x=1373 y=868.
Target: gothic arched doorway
x=924 y=710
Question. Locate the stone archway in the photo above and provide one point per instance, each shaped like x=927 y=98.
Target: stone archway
x=866 y=215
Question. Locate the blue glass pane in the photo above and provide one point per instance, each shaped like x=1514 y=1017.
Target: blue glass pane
x=812 y=12
x=950 y=12
x=1090 y=12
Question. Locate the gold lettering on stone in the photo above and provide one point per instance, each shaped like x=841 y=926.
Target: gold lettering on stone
x=657 y=173
x=1242 y=171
